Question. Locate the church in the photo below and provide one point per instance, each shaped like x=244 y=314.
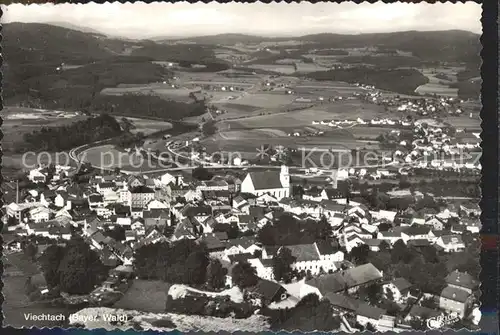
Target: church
x=274 y=183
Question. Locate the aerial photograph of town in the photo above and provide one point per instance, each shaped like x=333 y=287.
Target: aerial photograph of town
x=242 y=167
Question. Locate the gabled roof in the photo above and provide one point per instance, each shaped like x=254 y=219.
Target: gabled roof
x=461 y=279
x=370 y=311
x=417 y=230
x=141 y=190
x=95 y=198
x=267 y=289
x=401 y=284
x=239 y=257
x=455 y=294
x=326 y=248
x=212 y=242
x=452 y=239
x=266 y=180
x=342 y=280
x=343 y=301
x=304 y=252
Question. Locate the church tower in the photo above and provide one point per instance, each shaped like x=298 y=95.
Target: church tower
x=285 y=176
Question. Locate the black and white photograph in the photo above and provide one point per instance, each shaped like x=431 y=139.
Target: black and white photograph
x=242 y=166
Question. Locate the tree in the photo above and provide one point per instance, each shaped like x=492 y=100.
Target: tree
x=360 y=253
x=244 y=275
x=50 y=260
x=419 y=323
x=196 y=267
x=201 y=173
x=429 y=303
x=117 y=233
x=374 y=293
x=209 y=128
x=282 y=265
x=30 y=250
x=216 y=274
x=11 y=221
x=370 y=327
x=400 y=252
x=80 y=269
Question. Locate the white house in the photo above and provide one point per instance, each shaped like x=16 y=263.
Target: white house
x=399 y=288
x=277 y=184
x=451 y=243
x=39 y=214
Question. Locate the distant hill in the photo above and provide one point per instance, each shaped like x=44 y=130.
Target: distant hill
x=78 y=28
x=36 y=42
x=448 y=45
x=229 y=39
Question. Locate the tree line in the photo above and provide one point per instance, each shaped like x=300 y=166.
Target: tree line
x=66 y=137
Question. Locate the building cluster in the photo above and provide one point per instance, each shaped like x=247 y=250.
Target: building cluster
x=172 y=207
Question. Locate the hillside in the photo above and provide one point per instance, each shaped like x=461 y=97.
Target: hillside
x=228 y=39
x=35 y=77
x=450 y=45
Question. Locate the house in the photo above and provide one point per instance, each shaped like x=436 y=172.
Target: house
x=470 y=209
x=331 y=193
x=451 y=243
x=140 y=196
x=369 y=314
x=134 y=181
x=241 y=245
x=399 y=288
x=417 y=232
x=384 y=215
x=373 y=244
x=389 y=237
x=214 y=245
x=95 y=201
x=342 y=281
x=39 y=214
x=455 y=300
x=462 y=280
x=105 y=187
x=329 y=251
x=435 y=222
x=307 y=259
x=268 y=292
x=353 y=241
x=156 y=217
x=62 y=200
x=263 y=267
x=276 y=184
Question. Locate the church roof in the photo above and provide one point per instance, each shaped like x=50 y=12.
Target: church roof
x=266 y=180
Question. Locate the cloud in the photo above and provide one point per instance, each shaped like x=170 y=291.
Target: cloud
x=140 y=20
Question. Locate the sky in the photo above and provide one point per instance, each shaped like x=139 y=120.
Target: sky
x=141 y=20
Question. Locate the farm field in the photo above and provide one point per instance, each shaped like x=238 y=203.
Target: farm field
x=439 y=81
x=369 y=132
x=161 y=90
x=262 y=100
x=279 y=68
x=18 y=121
x=350 y=109
x=147 y=126
x=438 y=89
x=107 y=156
x=464 y=121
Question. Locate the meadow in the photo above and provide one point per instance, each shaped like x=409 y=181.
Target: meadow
x=18 y=121
x=147 y=126
x=108 y=157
